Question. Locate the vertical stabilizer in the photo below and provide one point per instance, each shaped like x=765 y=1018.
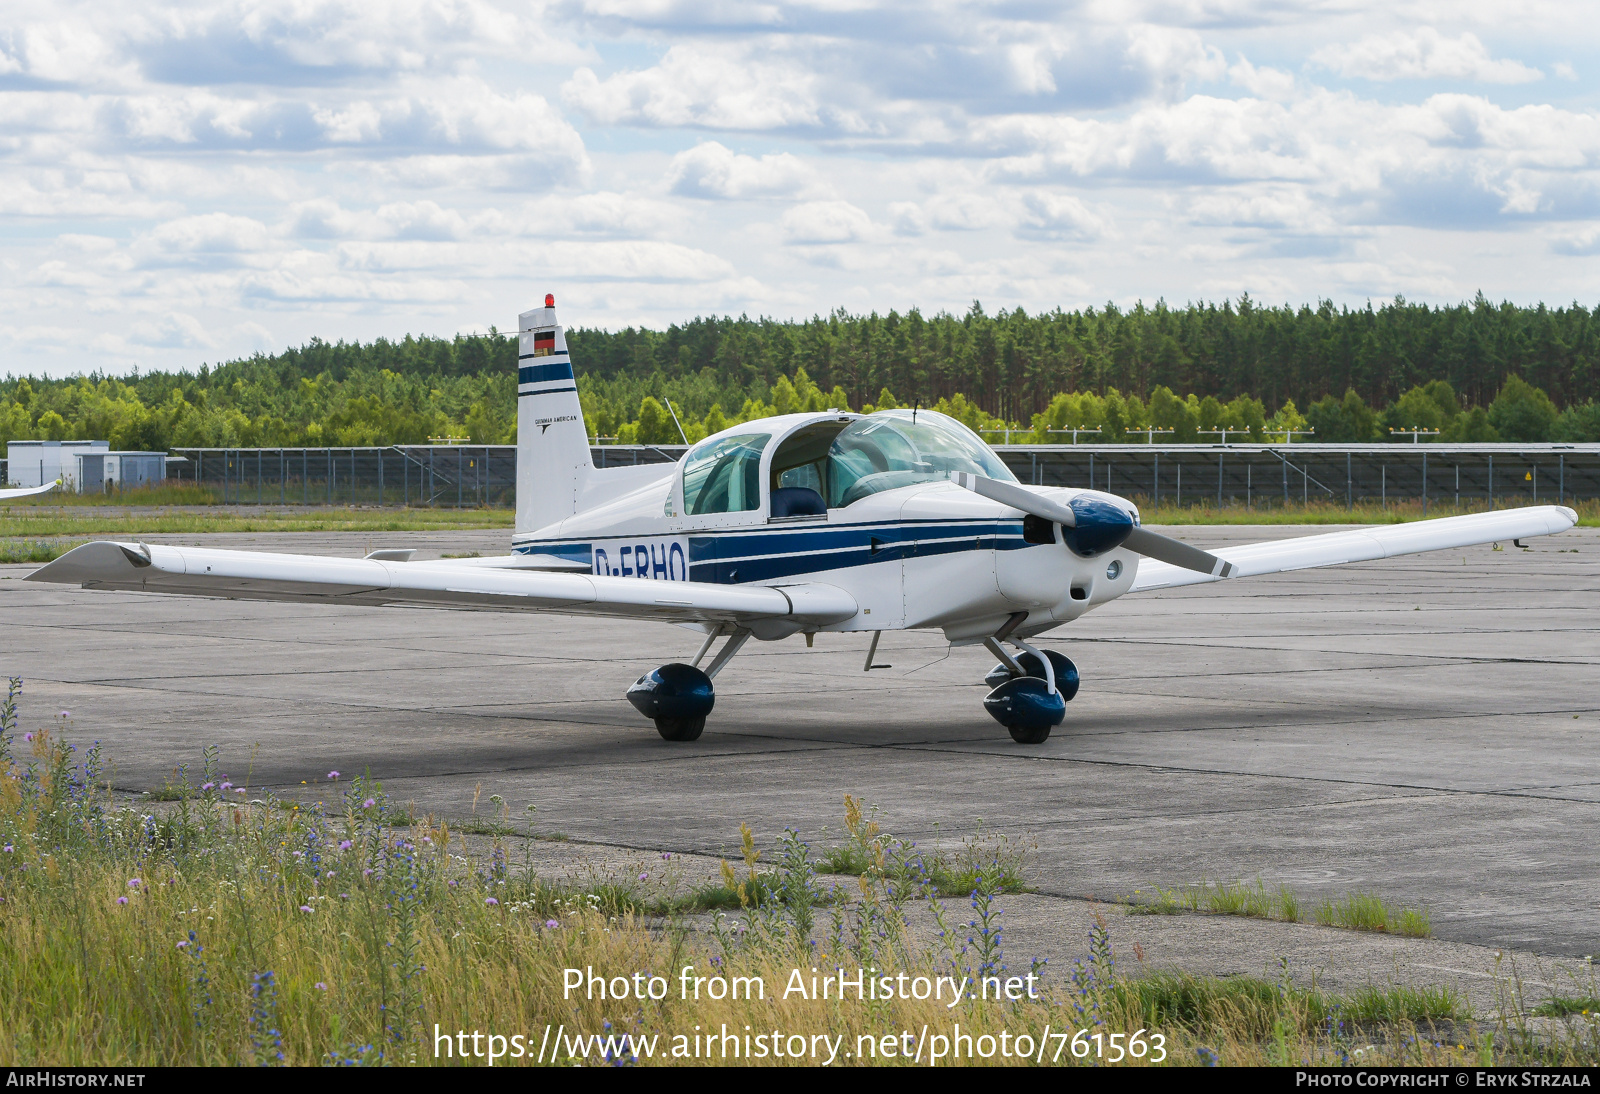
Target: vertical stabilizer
x=553 y=462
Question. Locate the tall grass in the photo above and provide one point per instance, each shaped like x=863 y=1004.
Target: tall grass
x=167 y=492
x=228 y=927
x=39 y=523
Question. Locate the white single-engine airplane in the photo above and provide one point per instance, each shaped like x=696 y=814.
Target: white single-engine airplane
x=898 y=520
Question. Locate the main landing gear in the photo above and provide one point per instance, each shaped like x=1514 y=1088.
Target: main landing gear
x=677 y=696
x=1031 y=690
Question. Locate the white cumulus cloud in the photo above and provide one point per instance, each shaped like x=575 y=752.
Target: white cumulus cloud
x=1422 y=54
x=710 y=170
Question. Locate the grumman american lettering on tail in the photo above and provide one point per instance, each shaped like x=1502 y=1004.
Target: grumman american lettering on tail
x=656 y=559
x=801 y=524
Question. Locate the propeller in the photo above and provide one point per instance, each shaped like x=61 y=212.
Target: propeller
x=1096 y=525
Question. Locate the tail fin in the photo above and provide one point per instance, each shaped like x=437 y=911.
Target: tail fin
x=553 y=461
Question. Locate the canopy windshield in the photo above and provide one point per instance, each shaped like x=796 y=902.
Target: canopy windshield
x=890 y=449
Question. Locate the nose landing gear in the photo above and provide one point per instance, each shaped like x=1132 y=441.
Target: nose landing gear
x=1031 y=690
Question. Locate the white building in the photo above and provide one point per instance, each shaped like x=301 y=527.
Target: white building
x=34 y=463
x=101 y=470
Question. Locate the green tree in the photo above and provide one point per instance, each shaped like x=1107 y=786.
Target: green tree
x=1167 y=411
x=1522 y=412
x=1420 y=408
x=1471 y=427
x=1342 y=420
x=655 y=424
x=1579 y=423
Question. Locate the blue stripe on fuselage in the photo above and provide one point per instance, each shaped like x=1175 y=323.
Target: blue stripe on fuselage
x=766 y=554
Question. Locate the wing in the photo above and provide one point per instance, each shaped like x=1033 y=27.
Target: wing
x=1365 y=544
x=255 y=575
x=28 y=491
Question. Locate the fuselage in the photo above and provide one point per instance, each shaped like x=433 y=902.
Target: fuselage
x=926 y=554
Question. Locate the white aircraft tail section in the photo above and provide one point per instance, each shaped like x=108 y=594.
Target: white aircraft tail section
x=556 y=476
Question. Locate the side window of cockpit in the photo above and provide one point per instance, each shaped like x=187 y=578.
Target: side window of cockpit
x=724 y=476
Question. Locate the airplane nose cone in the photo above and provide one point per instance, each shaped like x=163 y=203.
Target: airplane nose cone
x=1101 y=527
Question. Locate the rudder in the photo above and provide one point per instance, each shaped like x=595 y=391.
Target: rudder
x=553 y=461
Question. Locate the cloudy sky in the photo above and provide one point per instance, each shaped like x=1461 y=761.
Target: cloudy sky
x=191 y=182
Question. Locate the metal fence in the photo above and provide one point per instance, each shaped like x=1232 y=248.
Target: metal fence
x=1259 y=476
x=1256 y=476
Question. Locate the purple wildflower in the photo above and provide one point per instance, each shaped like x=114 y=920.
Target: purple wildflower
x=122 y=900
x=333 y=774
x=665 y=855
x=208 y=786
x=369 y=803
x=491 y=902
x=66 y=714
x=184 y=944
x=238 y=790
x=644 y=877
x=345 y=845
x=321 y=986
x=227 y=785
x=27 y=736
x=305 y=907
x=552 y=924
x=134 y=883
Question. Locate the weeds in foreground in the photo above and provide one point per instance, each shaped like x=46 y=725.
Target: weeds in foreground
x=1357 y=911
x=995 y=858
x=227 y=929
x=1368 y=912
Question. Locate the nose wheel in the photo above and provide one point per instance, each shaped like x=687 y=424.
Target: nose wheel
x=1031 y=691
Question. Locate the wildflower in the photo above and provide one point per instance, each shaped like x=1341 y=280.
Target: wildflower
x=333 y=774
x=208 y=786
x=491 y=901
x=239 y=790
x=305 y=907
x=27 y=736
x=344 y=896
x=10 y=849
x=134 y=883
x=226 y=785
x=552 y=923
x=452 y=883
x=665 y=855
x=321 y=986
x=369 y=803
x=66 y=714
x=183 y=945
x=367 y=872
x=644 y=877
x=345 y=845
x=122 y=900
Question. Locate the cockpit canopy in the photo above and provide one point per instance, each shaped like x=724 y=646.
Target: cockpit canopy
x=833 y=463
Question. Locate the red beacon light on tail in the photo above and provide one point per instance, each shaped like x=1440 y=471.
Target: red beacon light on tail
x=549 y=299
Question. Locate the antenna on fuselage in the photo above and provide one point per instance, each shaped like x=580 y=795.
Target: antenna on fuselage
x=675 y=421
x=914 y=404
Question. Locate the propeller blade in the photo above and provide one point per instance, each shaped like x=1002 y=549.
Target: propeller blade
x=1140 y=540
x=1175 y=553
x=1009 y=493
